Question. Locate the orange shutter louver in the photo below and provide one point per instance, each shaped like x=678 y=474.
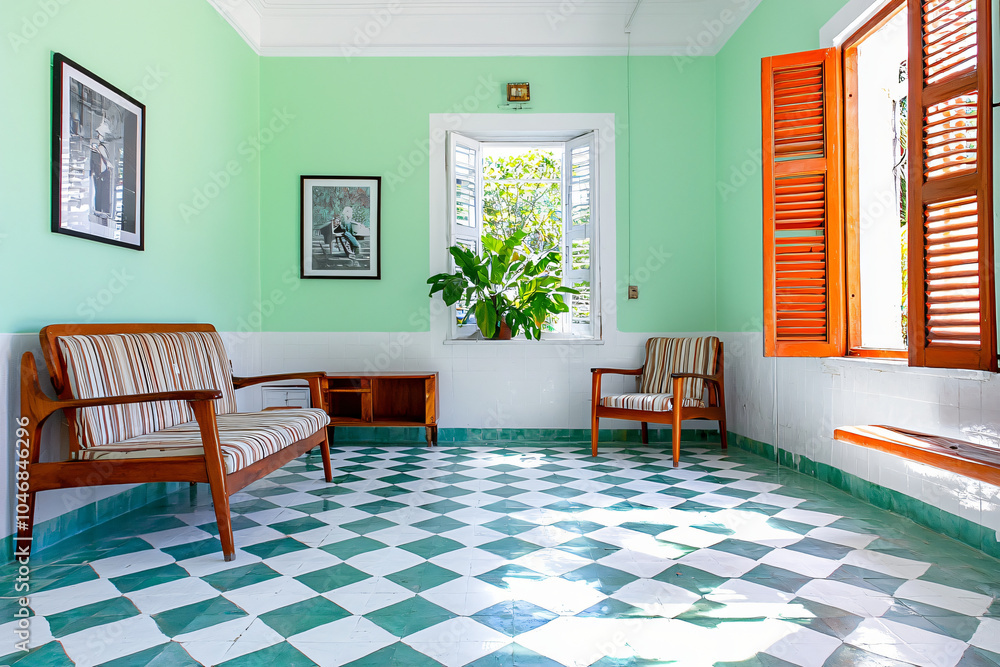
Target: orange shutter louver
x=952 y=319
x=804 y=302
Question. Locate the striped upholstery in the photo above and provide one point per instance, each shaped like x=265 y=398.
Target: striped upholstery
x=649 y=402
x=665 y=356
x=125 y=364
x=245 y=438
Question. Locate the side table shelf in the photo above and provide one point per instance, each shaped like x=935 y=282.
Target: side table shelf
x=383 y=399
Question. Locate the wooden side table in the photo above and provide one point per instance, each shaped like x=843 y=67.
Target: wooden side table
x=383 y=399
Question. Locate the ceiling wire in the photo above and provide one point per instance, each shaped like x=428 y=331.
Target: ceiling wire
x=628 y=128
x=628 y=123
x=628 y=24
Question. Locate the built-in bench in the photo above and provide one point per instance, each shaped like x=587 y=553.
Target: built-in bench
x=958 y=456
x=155 y=403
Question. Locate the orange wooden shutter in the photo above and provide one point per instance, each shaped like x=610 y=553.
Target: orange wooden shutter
x=952 y=319
x=804 y=300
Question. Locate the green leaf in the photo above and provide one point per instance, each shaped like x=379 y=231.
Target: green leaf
x=438 y=277
x=486 y=317
x=492 y=244
x=464 y=258
x=453 y=290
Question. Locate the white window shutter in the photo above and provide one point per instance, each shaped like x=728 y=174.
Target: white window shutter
x=579 y=220
x=465 y=191
x=465 y=203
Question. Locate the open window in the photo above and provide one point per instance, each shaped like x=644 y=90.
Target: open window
x=898 y=261
x=543 y=186
x=876 y=103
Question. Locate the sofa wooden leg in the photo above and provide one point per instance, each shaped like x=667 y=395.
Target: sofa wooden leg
x=645 y=433
x=215 y=469
x=223 y=519
x=324 y=449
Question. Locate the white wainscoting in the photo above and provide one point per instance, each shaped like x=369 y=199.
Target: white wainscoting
x=796 y=404
x=486 y=384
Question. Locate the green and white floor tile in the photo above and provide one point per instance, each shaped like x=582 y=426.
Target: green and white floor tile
x=503 y=556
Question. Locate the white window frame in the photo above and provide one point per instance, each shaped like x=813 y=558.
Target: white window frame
x=466 y=235
x=535 y=129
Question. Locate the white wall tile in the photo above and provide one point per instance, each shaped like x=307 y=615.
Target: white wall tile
x=816 y=396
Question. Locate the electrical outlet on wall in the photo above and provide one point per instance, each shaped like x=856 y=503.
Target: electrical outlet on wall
x=633 y=291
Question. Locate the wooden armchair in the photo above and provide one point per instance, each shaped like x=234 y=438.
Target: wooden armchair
x=685 y=367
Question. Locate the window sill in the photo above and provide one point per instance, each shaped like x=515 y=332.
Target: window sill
x=904 y=365
x=872 y=361
x=524 y=341
x=958 y=456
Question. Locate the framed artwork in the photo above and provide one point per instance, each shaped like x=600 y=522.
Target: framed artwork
x=98 y=155
x=341 y=228
x=518 y=92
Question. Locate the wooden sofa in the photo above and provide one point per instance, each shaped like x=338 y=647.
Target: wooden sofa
x=685 y=367
x=157 y=403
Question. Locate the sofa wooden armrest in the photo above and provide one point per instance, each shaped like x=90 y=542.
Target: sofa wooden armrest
x=315 y=379
x=240 y=382
x=95 y=368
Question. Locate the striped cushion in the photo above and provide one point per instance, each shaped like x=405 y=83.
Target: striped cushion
x=245 y=438
x=649 y=402
x=665 y=356
x=124 y=364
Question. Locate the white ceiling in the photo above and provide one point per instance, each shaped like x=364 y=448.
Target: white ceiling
x=353 y=28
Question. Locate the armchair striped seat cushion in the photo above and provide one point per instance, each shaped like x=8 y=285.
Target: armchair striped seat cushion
x=245 y=438
x=649 y=402
x=664 y=357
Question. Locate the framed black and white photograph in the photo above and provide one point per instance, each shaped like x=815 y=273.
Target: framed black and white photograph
x=98 y=146
x=341 y=227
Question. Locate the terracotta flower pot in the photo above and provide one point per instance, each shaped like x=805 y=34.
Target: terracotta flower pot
x=502 y=332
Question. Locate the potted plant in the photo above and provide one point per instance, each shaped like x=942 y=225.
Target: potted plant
x=508 y=288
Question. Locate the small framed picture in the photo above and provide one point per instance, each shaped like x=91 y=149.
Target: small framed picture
x=98 y=153
x=341 y=227
x=518 y=92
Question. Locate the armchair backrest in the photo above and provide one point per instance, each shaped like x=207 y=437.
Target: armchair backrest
x=665 y=356
x=91 y=365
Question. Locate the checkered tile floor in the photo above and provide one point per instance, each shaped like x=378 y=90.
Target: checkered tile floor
x=529 y=556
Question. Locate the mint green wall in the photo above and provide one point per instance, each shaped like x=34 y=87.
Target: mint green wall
x=199 y=82
x=775 y=27
x=364 y=116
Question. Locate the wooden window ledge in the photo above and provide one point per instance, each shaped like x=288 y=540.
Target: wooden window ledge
x=958 y=456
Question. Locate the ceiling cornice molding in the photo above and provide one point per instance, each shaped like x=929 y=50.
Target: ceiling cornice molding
x=246 y=18
x=466 y=51
x=483 y=28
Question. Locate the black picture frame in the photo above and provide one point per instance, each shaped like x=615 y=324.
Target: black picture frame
x=340 y=227
x=98 y=158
